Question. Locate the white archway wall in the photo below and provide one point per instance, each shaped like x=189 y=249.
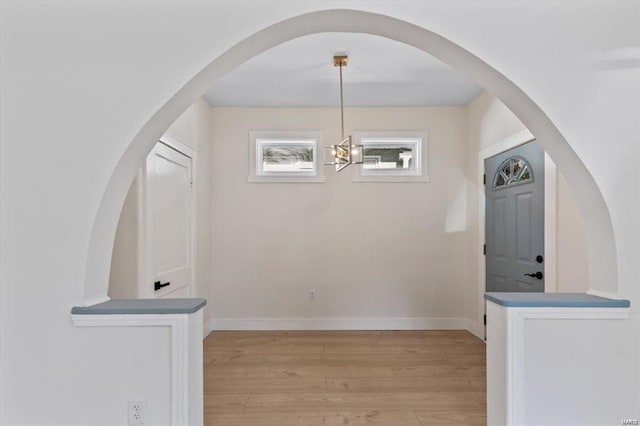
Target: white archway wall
x=603 y=263
x=72 y=106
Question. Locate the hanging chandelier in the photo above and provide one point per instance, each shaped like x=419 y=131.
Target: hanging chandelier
x=344 y=153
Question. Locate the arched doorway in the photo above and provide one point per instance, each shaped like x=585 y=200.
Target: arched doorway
x=603 y=267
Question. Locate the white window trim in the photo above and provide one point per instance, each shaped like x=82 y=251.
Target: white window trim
x=421 y=172
x=256 y=174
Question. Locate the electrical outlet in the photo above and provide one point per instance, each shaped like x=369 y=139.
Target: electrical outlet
x=137 y=411
x=312 y=295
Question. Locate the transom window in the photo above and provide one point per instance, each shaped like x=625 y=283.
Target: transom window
x=284 y=157
x=379 y=155
x=392 y=156
x=512 y=171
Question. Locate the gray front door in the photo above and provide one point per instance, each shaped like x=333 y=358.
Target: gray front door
x=514 y=220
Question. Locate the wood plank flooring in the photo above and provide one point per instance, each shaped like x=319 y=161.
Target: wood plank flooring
x=310 y=378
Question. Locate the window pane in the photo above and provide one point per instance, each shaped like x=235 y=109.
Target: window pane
x=512 y=171
x=287 y=158
x=389 y=157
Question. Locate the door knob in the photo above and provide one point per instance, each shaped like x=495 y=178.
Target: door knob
x=539 y=275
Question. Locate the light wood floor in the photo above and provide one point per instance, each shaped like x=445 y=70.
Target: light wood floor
x=393 y=378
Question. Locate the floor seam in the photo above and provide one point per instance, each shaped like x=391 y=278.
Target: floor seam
x=416 y=416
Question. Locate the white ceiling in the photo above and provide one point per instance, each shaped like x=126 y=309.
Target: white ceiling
x=381 y=72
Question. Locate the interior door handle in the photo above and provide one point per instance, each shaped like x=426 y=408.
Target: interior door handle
x=539 y=275
x=157 y=285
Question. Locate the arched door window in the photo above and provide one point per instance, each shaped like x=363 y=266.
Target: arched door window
x=512 y=171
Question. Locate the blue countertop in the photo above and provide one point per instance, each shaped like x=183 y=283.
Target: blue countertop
x=142 y=307
x=554 y=300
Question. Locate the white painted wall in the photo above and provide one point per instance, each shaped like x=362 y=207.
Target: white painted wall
x=192 y=129
x=573 y=263
x=372 y=251
x=490 y=122
x=124 y=282
x=57 y=154
x=540 y=366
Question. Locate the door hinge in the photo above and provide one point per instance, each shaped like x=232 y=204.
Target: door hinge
x=191 y=183
x=484 y=179
x=485 y=319
x=484 y=249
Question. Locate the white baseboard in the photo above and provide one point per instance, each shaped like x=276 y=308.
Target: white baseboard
x=475 y=329
x=245 y=324
x=206 y=329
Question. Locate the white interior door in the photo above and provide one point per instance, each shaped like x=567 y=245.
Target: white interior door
x=169 y=223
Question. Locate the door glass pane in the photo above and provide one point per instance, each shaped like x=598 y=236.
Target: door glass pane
x=513 y=171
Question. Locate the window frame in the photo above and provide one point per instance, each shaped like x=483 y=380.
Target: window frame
x=258 y=139
x=388 y=137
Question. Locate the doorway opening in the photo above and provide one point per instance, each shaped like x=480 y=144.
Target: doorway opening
x=564 y=251
x=155 y=244
x=603 y=266
x=423 y=226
